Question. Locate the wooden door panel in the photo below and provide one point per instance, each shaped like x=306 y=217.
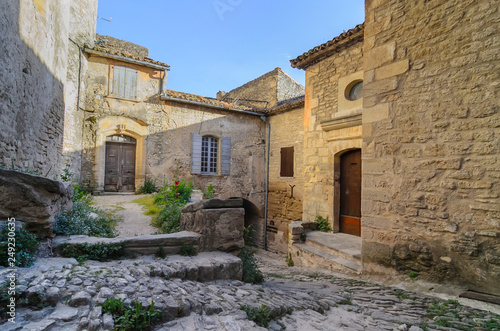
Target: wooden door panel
x=120 y=167
x=350 y=193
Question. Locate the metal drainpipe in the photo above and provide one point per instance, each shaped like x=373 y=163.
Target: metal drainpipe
x=263 y=118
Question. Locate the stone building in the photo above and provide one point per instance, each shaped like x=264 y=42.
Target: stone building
x=401 y=139
x=40 y=63
x=395 y=138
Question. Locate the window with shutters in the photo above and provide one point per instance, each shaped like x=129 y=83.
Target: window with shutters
x=124 y=84
x=209 y=154
x=286 y=162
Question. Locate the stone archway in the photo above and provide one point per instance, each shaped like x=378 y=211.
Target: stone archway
x=119 y=125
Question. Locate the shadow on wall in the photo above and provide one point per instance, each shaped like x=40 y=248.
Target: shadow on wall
x=31 y=102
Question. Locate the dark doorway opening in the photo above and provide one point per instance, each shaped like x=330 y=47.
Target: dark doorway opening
x=350 y=192
x=120 y=164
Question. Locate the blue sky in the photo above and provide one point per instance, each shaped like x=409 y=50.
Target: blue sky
x=214 y=45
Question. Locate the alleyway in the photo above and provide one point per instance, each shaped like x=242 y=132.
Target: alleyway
x=132 y=220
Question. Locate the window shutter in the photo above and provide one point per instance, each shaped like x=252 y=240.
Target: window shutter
x=130 y=84
x=225 y=167
x=196 y=154
x=286 y=162
x=118 y=81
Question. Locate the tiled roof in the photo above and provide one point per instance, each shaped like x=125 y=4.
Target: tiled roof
x=105 y=50
x=324 y=50
x=287 y=105
x=205 y=100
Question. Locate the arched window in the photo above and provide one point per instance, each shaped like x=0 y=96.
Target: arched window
x=209 y=155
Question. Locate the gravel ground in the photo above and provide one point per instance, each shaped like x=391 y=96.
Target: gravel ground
x=133 y=221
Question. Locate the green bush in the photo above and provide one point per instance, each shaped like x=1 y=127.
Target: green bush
x=160 y=253
x=251 y=273
x=263 y=315
x=148 y=187
x=84 y=219
x=188 y=250
x=171 y=199
x=323 y=224
x=289 y=260
x=24 y=251
x=209 y=191
x=98 y=251
x=133 y=317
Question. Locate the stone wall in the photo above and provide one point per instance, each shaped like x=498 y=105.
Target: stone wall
x=266 y=91
x=431 y=142
x=323 y=146
x=164 y=129
x=35 y=44
x=282 y=207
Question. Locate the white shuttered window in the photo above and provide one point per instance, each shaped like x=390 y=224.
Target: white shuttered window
x=124 y=83
x=206 y=153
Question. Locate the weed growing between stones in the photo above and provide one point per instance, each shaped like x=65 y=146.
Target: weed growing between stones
x=263 y=315
x=188 y=250
x=251 y=273
x=26 y=245
x=323 y=224
x=171 y=199
x=98 y=251
x=160 y=253
x=133 y=317
x=289 y=260
x=84 y=219
x=148 y=187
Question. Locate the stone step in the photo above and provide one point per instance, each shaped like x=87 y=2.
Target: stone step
x=145 y=244
x=338 y=244
x=310 y=256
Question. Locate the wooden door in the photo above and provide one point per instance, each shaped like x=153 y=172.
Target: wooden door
x=350 y=193
x=120 y=166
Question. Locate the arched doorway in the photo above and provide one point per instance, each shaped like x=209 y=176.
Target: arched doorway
x=120 y=163
x=350 y=192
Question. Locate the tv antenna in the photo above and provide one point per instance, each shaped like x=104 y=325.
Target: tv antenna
x=105 y=19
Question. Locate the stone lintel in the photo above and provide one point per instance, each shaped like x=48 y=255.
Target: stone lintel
x=341 y=122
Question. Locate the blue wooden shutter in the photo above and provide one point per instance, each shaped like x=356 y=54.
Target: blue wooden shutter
x=196 y=154
x=225 y=167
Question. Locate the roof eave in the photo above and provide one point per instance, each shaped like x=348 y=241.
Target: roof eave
x=127 y=59
x=208 y=105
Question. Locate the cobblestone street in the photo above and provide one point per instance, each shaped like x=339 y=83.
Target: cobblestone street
x=299 y=299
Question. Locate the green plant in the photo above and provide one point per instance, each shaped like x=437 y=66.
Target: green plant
x=412 y=275
x=160 y=253
x=171 y=199
x=98 y=251
x=345 y=302
x=260 y=315
x=148 y=187
x=25 y=249
x=209 y=191
x=251 y=273
x=132 y=317
x=66 y=174
x=289 y=260
x=188 y=250
x=323 y=224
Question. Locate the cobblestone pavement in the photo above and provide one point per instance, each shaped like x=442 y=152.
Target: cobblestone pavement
x=299 y=299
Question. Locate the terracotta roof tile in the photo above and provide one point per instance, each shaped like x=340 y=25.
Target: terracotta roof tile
x=126 y=54
x=287 y=105
x=206 y=100
x=324 y=50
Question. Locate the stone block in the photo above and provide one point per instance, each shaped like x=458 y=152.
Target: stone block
x=376 y=113
x=393 y=69
x=378 y=56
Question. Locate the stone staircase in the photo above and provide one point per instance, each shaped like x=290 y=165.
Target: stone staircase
x=337 y=252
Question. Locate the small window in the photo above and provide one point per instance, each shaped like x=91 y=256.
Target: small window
x=286 y=162
x=120 y=138
x=209 y=155
x=124 y=83
x=354 y=91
